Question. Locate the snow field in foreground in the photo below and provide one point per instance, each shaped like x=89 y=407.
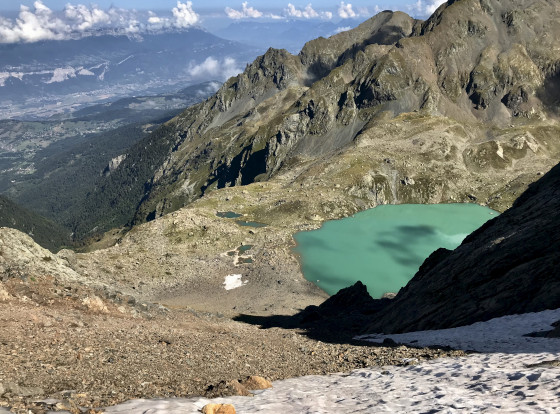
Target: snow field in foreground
x=515 y=375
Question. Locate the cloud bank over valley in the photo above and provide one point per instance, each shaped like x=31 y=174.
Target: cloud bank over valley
x=40 y=23
x=75 y=21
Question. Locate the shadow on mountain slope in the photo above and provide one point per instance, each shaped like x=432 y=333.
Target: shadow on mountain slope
x=337 y=320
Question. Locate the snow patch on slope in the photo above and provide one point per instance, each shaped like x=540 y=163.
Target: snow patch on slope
x=233 y=281
x=503 y=334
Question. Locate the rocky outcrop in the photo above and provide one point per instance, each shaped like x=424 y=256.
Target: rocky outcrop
x=255 y=382
x=31 y=274
x=341 y=316
x=218 y=409
x=21 y=257
x=113 y=164
x=510 y=265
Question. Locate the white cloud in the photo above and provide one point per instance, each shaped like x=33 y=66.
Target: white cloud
x=364 y=11
x=245 y=12
x=425 y=8
x=345 y=11
x=33 y=26
x=184 y=15
x=212 y=68
x=155 y=20
x=86 y=18
x=211 y=88
x=342 y=29
x=41 y=23
x=307 y=13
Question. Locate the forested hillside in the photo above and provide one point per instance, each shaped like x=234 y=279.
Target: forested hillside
x=44 y=232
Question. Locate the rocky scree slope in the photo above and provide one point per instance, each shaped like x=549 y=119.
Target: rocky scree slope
x=70 y=342
x=460 y=107
x=508 y=266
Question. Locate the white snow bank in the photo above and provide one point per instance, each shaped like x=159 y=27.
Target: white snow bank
x=233 y=282
x=495 y=382
x=503 y=334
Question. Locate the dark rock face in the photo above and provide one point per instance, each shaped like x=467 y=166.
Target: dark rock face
x=510 y=265
x=353 y=299
x=341 y=316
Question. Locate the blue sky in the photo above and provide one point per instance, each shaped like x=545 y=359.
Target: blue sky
x=38 y=20
x=168 y=4
x=220 y=4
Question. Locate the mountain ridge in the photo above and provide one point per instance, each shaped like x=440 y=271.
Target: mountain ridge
x=288 y=112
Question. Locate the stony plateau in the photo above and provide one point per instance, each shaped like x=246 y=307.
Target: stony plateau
x=76 y=343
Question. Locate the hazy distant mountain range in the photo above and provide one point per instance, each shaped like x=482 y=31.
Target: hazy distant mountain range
x=63 y=75
x=286 y=34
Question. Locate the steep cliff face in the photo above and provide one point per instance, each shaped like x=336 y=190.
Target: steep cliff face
x=510 y=265
x=460 y=107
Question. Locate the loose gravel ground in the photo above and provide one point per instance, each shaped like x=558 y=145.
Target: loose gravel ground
x=66 y=347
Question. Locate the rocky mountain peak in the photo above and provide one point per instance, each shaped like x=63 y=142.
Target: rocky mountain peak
x=322 y=55
x=490 y=68
x=499 y=54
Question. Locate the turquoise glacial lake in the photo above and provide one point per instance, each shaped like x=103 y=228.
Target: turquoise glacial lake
x=384 y=246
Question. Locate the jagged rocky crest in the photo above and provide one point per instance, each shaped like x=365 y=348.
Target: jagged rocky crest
x=472 y=61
